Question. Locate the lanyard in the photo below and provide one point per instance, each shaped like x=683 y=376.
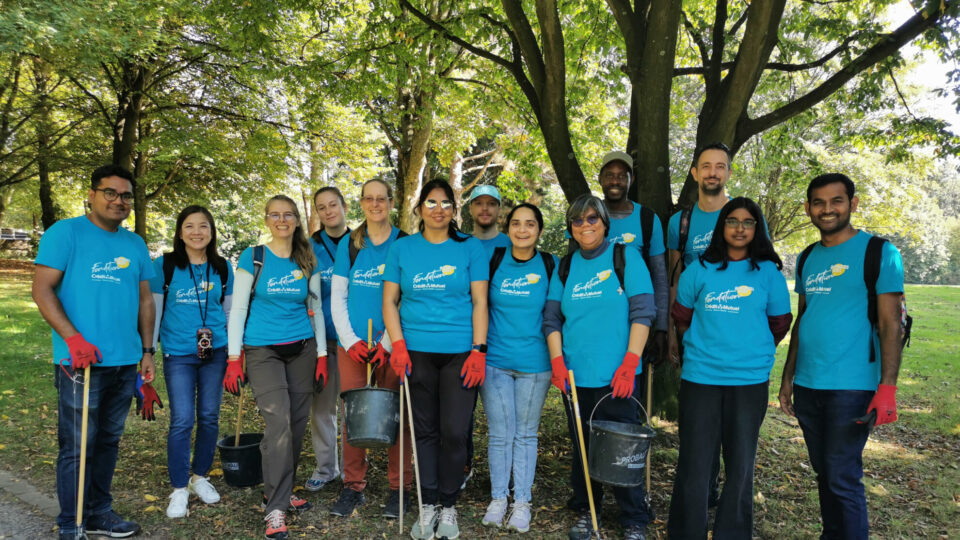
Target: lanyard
x=206 y=294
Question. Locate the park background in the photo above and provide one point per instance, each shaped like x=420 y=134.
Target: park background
x=226 y=102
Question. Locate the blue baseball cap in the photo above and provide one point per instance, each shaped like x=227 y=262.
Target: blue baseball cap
x=485 y=189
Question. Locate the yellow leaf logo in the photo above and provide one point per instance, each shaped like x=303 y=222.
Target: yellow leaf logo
x=447 y=270
x=297 y=274
x=744 y=290
x=628 y=237
x=209 y=286
x=602 y=276
x=838 y=269
x=533 y=278
x=381 y=268
x=122 y=262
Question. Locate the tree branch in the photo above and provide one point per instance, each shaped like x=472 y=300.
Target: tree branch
x=523 y=33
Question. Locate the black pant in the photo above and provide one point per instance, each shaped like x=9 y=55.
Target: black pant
x=709 y=414
x=441 y=417
x=632 y=501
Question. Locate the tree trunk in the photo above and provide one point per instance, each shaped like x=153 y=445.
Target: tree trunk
x=316 y=178
x=6 y=195
x=416 y=128
x=49 y=212
x=126 y=135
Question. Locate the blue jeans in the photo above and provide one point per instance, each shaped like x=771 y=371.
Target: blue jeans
x=111 y=391
x=835 y=443
x=513 y=401
x=194 y=389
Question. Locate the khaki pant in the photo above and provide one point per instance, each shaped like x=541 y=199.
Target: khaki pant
x=283 y=386
x=323 y=420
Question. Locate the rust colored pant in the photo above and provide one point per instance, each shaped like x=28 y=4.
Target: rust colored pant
x=354 y=375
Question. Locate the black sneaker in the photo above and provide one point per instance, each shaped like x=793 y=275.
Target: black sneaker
x=349 y=501
x=583 y=528
x=112 y=525
x=392 y=509
x=635 y=532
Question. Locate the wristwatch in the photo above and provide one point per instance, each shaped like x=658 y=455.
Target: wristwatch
x=482 y=348
x=151 y=350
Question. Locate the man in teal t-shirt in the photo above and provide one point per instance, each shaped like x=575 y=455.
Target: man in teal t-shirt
x=92 y=285
x=832 y=377
x=485 y=211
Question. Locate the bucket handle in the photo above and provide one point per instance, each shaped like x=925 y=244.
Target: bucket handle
x=590 y=422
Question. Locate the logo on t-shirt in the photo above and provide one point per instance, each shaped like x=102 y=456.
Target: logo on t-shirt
x=589 y=289
x=434 y=278
x=369 y=277
x=285 y=284
x=625 y=238
x=326 y=275
x=702 y=241
x=519 y=286
x=105 y=271
x=726 y=301
x=191 y=294
x=819 y=283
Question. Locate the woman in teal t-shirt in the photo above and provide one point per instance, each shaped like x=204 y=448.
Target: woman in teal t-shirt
x=285 y=346
x=192 y=323
x=439 y=334
x=733 y=307
x=518 y=366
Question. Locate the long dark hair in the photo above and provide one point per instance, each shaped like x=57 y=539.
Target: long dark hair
x=302 y=253
x=453 y=231
x=179 y=253
x=760 y=248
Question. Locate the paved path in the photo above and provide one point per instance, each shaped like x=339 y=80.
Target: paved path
x=25 y=512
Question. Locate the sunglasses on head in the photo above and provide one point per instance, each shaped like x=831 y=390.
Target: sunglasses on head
x=445 y=204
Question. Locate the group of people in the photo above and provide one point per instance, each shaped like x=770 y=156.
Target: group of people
x=457 y=317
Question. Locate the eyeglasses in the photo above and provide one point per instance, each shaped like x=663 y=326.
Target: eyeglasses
x=623 y=177
x=733 y=223
x=445 y=204
x=111 y=195
x=287 y=216
x=591 y=219
x=374 y=200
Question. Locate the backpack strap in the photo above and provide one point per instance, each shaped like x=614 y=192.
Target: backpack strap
x=498 y=253
x=802 y=258
x=257 y=270
x=685 y=216
x=548 y=264
x=563 y=271
x=221 y=269
x=646 y=231
x=620 y=264
x=318 y=238
x=871 y=273
x=168 y=268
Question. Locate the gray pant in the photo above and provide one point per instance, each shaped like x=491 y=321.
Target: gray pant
x=323 y=420
x=283 y=386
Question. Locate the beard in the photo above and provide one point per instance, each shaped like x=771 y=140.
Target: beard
x=712 y=190
x=843 y=221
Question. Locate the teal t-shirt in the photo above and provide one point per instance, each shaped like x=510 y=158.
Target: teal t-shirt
x=834 y=337
x=518 y=292
x=699 y=235
x=278 y=310
x=325 y=253
x=490 y=244
x=596 y=326
x=628 y=231
x=436 y=308
x=364 y=292
x=739 y=298
x=193 y=291
x=100 y=287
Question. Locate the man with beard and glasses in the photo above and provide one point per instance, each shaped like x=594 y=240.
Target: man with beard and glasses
x=832 y=380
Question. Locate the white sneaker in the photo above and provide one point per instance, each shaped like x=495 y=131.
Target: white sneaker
x=201 y=487
x=423 y=527
x=178 y=503
x=519 y=517
x=447 y=527
x=496 y=510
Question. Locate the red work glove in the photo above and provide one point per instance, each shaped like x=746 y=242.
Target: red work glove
x=379 y=356
x=235 y=377
x=146 y=396
x=359 y=352
x=625 y=376
x=400 y=359
x=474 y=369
x=82 y=353
x=320 y=376
x=560 y=377
x=885 y=403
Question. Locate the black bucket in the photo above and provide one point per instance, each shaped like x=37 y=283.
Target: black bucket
x=618 y=451
x=241 y=463
x=372 y=417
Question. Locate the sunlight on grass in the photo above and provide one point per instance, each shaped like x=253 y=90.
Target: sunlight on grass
x=891 y=450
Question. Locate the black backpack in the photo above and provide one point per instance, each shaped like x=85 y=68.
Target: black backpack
x=353 y=251
x=501 y=251
x=619 y=265
x=685 y=214
x=169 y=267
x=871 y=273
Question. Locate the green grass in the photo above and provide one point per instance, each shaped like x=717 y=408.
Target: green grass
x=911 y=466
